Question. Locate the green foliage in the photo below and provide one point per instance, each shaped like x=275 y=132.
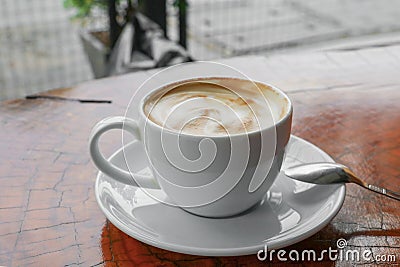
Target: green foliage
x=181 y=4
x=84 y=7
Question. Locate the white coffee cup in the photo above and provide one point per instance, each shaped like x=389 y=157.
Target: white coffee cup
x=211 y=176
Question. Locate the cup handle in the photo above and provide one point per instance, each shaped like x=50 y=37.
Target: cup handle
x=110 y=169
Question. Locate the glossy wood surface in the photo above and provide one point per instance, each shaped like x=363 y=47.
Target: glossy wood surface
x=347 y=102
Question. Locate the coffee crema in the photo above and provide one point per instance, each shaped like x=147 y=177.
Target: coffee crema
x=215 y=106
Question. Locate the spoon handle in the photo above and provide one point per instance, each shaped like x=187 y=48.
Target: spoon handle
x=383 y=191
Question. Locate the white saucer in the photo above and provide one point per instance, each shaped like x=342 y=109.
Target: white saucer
x=292 y=211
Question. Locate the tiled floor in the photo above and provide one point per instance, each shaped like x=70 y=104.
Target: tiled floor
x=235 y=27
x=39 y=48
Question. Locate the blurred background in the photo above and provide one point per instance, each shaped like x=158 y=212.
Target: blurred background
x=47 y=44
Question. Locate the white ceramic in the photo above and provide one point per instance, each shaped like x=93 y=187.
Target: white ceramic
x=291 y=212
x=218 y=176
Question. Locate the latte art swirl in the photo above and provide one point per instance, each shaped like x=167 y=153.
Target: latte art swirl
x=217 y=106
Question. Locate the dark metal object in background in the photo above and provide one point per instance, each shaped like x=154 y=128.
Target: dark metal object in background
x=182 y=6
x=115 y=28
x=142 y=45
x=155 y=10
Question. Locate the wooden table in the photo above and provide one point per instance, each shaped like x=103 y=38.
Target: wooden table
x=345 y=101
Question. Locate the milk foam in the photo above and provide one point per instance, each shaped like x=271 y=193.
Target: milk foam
x=216 y=106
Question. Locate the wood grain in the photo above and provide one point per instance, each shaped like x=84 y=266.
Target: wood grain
x=346 y=102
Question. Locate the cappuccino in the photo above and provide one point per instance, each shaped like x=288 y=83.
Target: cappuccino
x=215 y=106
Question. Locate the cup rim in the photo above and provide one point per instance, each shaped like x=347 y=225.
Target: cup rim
x=281 y=120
